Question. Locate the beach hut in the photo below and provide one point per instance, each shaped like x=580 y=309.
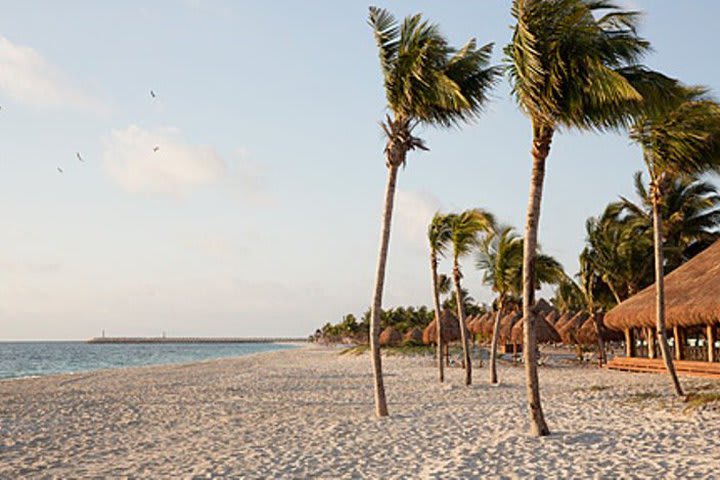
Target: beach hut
x=390 y=337
x=486 y=326
x=505 y=332
x=692 y=313
x=552 y=317
x=450 y=329
x=544 y=332
x=563 y=319
x=569 y=328
x=587 y=333
x=413 y=336
x=543 y=307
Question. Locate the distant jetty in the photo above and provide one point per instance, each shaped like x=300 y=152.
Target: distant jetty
x=192 y=340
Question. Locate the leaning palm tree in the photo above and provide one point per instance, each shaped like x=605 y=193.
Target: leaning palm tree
x=499 y=257
x=464 y=230
x=684 y=140
x=570 y=69
x=439 y=237
x=690 y=214
x=426 y=82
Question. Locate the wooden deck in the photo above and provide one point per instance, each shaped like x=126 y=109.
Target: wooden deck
x=656 y=365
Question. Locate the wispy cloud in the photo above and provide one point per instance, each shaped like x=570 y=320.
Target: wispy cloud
x=28 y=78
x=162 y=162
x=414 y=212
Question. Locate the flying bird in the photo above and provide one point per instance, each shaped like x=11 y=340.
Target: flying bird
x=59 y=169
x=79 y=157
x=152 y=94
x=155 y=149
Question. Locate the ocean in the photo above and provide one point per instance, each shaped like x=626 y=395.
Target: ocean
x=28 y=359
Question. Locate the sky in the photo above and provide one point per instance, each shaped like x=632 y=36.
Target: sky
x=259 y=213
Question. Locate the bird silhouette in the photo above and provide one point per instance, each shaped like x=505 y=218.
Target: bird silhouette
x=59 y=169
x=79 y=157
x=152 y=94
x=155 y=149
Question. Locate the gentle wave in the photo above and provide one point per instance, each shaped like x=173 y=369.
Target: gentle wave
x=35 y=359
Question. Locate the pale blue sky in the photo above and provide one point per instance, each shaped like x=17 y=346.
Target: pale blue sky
x=259 y=214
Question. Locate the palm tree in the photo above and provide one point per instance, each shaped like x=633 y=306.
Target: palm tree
x=569 y=69
x=426 y=82
x=499 y=257
x=620 y=249
x=439 y=237
x=464 y=230
x=684 y=140
x=690 y=214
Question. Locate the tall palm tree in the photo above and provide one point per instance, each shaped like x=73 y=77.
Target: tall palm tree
x=439 y=238
x=684 y=140
x=620 y=249
x=499 y=257
x=690 y=214
x=570 y=69
x=464 y=230
x=427 y=82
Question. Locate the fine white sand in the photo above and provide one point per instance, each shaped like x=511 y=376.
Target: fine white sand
x=308 y=413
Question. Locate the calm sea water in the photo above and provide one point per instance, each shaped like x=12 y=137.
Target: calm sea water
x=25 y=359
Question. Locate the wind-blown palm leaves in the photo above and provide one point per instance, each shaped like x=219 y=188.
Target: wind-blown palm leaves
x=572 y=64
x=439 y=238
x=684 y=139
x=620 y=250
x=690 y=214
x=426 y=82
x=499 y=257
x=464 y=230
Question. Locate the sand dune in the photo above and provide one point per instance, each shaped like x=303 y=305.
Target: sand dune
x=307 y=413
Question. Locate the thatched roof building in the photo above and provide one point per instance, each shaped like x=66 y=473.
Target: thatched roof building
x=563 y=319
x=390 y=337
x=450 y=329
x=506 y=325
x=692 y=297
x=544 y=331
x=552 y=317
x=587 y=333
x=413 y=336
x=568 y=329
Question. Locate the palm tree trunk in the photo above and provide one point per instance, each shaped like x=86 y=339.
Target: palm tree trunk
x=660 y=294
x=461 y=320
x=493 y=345
x=380 y=400
x=542 y=137
x=600 y=341
x=436 y=301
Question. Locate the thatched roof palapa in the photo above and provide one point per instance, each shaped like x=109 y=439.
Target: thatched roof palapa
x=544 y=332
x=568 y=329
x=506 y=325
x=563 y=319
x=390 y=337
x=587 y=333
x=552 y=317
x=450 y=329
x=691 y=296
x=413 y=336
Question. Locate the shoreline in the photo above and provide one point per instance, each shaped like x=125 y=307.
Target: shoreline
x=289 y=345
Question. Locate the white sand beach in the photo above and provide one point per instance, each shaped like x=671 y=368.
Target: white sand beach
x=308 y=413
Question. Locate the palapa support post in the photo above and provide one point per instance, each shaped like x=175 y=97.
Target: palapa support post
x=629 y=343
x=711 y=342
x=650 y=336
x=677 y=341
